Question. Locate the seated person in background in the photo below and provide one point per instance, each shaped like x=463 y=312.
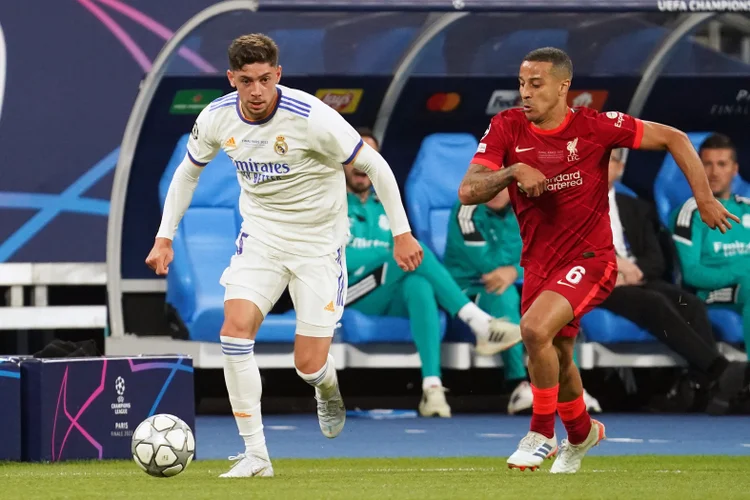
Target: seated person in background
x=377 y=286
x=716 y=264
x=669 y=313
x=483 y=254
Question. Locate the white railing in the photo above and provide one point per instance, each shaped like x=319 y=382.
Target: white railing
x=38 y=315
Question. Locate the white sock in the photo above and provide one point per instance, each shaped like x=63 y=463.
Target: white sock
x=324 y=380
x=478 y=320
x=431 y=382
x=242 y=377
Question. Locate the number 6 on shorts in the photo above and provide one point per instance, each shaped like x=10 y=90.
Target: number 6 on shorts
x=575 y=275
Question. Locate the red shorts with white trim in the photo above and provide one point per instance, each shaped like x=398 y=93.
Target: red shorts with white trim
x=585 y=283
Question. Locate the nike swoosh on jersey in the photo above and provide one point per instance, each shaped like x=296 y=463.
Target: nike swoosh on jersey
x=518 y=150
x=561 y=282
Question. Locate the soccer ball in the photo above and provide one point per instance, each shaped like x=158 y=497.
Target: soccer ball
x=163 y=445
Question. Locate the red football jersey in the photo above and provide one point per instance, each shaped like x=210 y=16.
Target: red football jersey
x=572 y=216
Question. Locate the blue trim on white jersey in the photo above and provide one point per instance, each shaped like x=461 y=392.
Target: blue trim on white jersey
x=224 y=105
x=297 y=102
x=196 y=161
x=267 y=118
x=296 y=111
x=222 y=101
x=292 y=104
x=354 y=153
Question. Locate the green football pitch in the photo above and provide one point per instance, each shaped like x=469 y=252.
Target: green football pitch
x=641 y=477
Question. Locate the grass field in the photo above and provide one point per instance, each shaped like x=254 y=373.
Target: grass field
x=642 y=477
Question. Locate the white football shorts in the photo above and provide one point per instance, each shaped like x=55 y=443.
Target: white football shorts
x=317 y=285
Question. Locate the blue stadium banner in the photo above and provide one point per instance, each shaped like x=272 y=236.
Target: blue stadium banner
x=10 y=416
x=88 y=408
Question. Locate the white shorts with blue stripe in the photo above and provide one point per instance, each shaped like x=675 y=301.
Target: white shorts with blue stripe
x=317 y=285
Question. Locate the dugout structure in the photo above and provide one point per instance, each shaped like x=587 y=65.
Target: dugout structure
x=384 y=44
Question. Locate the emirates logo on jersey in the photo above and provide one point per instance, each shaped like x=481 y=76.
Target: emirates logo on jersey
x=573 y=150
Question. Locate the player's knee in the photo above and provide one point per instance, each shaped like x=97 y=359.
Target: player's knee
x=534 y=335
x=238 y=326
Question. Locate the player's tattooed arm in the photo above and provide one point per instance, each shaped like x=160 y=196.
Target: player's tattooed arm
x=481 y=184
x=658 y=136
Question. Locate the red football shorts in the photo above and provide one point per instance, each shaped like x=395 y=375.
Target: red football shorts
x=585 y=283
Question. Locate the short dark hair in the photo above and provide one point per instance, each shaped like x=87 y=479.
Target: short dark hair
x=367 y=132
x=718 y=141
x=560 y=60
x=251 y=49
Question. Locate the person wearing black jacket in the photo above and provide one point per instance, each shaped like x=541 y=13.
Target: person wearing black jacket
x=674 y=316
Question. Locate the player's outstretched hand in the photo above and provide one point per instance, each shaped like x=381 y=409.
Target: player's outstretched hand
x=530 y=180
x=715 y=215
x=407 y=251
x=160 y=256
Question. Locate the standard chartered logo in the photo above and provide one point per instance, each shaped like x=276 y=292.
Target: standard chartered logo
x=564 y=181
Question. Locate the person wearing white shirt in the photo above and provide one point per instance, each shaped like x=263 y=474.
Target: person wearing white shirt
x=289 y=150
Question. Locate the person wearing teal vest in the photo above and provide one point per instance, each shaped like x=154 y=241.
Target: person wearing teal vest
x=483 y=254
x=377 y=286
x=717 y=264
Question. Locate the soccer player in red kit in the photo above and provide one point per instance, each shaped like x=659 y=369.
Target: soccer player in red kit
x=554 y=162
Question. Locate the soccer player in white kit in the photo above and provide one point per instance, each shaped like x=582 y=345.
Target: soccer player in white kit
x=289 y=149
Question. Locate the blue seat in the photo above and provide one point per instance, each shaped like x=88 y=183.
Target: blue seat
x=203 y=246
x=727 y=325
x=432 y=185
x=360 y=328
x=606 y=327
x=623 y=189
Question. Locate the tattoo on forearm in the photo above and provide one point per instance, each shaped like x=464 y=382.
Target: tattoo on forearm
x=483 y=186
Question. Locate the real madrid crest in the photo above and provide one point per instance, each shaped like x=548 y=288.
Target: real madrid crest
x=280 y=146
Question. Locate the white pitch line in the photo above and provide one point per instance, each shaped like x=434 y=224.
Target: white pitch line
x=415 y=431
x=282 y=427
x=491 y=435
x=625 y=440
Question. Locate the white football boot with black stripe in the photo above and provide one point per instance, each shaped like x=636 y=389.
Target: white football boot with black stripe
x=532 y=451
x=501 y=336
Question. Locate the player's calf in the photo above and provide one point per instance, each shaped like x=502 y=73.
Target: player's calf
x=330 y=404
x=242 y=379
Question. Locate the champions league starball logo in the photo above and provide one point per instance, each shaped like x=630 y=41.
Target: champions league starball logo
x=120 y=386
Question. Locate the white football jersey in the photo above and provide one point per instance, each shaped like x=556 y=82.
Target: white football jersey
x=289 y=166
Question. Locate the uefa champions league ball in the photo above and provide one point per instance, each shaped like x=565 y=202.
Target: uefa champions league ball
x=163 y=445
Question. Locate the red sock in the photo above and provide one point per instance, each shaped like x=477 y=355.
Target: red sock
x=543 y=416
x=576 y=419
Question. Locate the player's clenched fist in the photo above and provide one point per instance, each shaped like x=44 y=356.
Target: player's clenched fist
x=715 y=215
x=160 y=256
x=530 y=180
x=407 y=251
